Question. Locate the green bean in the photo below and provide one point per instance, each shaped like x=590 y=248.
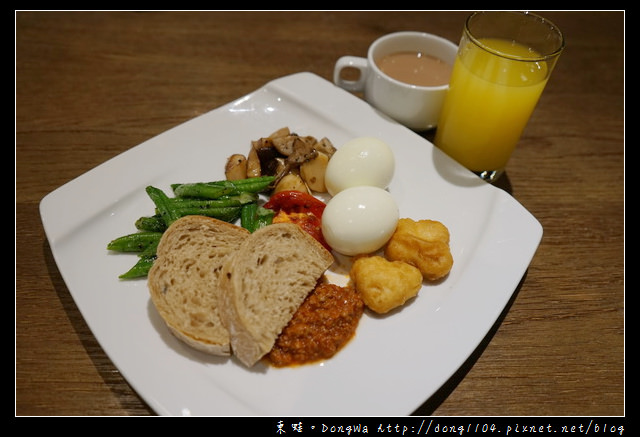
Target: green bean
x=150 y=251
x=154 y=224
x=220 y=202
x=254 y=217
x=136 y=242
x=203 y=190
x=227 y=214
x=216 y=189
x=224 y=200
x=264 y=217
x=251 y=185
x=226 y=208
x=163 y=205
x=248 y=216
x=139 y=269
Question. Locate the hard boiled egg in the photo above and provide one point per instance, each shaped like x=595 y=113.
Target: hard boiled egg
x=360 y=161
x=359 y=220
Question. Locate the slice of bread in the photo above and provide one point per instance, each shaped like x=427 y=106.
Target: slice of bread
x=183 y=281
x=264 y=282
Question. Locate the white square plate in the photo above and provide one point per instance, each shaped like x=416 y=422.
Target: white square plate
x=393 y=364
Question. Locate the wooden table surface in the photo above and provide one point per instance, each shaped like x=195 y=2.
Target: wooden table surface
x=91 y=85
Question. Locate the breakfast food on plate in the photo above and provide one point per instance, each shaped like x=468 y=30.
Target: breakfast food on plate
x=257 y=290
x=297 y=162
x=236 y=167
x=322 y=325
x=385 y=285
x=293 y=206
x=359 y=220
x=360 y=161
x=264 y=282
x=424 y=244
x=222 y=290
x=183 y=281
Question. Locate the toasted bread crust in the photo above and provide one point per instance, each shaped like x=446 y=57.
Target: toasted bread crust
x=223 y=290
x=264 y=282
x=183 y=281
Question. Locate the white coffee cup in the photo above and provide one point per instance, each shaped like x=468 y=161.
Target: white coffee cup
x=416 y=107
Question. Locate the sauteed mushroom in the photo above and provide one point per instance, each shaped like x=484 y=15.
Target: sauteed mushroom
x=236 y=167
x=284 y=153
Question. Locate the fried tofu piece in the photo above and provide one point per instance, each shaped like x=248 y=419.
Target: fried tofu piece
x=384 y=285
x=423 y=244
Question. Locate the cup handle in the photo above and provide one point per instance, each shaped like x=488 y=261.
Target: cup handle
x=353 y=62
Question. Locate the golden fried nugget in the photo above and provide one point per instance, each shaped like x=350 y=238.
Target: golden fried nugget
x=385 y=285
x=429 y=230
x=423 y=244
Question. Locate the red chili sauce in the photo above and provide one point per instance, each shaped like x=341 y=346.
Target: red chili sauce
x=323 y=324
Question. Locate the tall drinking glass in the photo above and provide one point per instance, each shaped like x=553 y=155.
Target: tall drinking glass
x=503 y=63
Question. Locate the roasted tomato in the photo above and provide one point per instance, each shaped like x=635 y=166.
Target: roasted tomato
x=300 y=208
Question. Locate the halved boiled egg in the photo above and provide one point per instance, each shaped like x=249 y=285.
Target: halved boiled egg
x=359 y=220
x=360 y=161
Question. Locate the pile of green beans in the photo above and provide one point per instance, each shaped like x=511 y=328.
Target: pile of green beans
x=223 y=200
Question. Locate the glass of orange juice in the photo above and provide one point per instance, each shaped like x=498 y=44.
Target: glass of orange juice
x=503 y=63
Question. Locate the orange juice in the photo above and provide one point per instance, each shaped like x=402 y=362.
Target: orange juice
x=489 y=102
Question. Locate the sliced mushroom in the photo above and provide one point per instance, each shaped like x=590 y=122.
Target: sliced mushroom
x=285 y=153
x=325 y=146
x=312 y=172
x=270 y=161
x=282 y=132
x=268 y=156
x=253 y=164
x=302 y=152
x=309 y=140
x=279 y=167
x=291 y=181
x=285 y=145
x=236 y=167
